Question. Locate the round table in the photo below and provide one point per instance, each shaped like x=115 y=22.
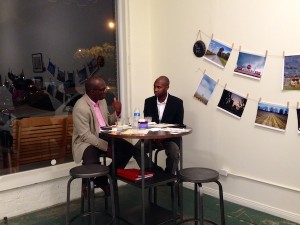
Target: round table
x=142 y=135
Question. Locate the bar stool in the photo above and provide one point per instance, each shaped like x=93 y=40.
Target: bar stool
x=89 y=172
x=198 y=176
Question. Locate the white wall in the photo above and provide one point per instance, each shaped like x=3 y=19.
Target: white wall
x=262 y=163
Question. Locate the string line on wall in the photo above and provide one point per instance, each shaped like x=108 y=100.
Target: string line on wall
x=238 y=49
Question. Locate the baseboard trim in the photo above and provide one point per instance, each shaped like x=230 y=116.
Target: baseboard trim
x=251 y=204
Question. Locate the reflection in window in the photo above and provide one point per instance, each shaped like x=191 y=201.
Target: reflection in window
x=48 y=50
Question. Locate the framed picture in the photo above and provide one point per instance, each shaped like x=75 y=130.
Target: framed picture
x=37 y=63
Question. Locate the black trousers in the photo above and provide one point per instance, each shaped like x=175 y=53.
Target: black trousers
x=123 y=153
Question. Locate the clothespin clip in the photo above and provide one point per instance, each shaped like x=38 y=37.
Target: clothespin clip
x=288 y=104
x=259 y=100
x=247 y=96
x=266 y=53
x=225 y=86
x=240 y=48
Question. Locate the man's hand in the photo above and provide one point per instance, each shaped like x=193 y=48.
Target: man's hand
x=117 y=106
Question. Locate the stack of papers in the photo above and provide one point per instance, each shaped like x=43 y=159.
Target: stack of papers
x=133 y=174
x=135 y=131
x=160 y=125
x=176 y=130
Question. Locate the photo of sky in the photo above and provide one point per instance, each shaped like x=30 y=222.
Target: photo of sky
x=217 y=53
x=205 y=89
x=250 y=65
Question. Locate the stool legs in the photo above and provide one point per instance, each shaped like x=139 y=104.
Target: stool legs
x=68 y=200
x=112 y=196
x=222 y=212
x=91 y=202
x=198 y=204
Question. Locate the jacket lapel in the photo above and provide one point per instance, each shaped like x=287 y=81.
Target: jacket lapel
x=167 y=108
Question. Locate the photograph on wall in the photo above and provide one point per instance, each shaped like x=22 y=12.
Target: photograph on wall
x=205 y=89
x=298 y=118
x=217 y=53
x=232 y=103
x=272 y=116
x=37 y=63
x=250 y=65
x=291 y=73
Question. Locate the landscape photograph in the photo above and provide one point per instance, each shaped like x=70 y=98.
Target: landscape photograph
x=272 y=116
x=217 y=53
x=291 y=73
x=205 y=89
x=298 y=118
x=250 y=65
x=232 y=103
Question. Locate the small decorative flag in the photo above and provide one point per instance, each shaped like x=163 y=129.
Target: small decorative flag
x=51 y=68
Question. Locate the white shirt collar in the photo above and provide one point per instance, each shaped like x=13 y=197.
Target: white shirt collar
x=161 y=107
x=164 y=102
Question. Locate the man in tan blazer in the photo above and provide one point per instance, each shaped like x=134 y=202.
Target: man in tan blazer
x=89 y=114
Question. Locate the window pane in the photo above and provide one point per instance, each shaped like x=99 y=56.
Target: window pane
x=48 y=49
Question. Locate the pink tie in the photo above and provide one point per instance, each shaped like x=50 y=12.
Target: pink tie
x=99 y=115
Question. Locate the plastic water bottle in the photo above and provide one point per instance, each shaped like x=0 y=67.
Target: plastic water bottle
x=136 y=116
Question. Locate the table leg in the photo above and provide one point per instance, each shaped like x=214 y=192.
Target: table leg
x=114 y=178
x=143 y=182
x=180 y=185
x=151 y=190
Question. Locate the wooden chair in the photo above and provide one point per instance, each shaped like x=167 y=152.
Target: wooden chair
x=39 y=139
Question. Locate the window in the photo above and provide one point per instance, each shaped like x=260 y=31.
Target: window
x=48 y=49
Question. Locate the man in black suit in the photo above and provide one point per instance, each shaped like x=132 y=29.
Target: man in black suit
x=163 y=108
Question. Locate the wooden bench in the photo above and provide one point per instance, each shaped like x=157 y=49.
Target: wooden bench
x=41 y=138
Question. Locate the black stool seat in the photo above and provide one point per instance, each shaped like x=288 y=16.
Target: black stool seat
x=198 y=176
x=88 y=173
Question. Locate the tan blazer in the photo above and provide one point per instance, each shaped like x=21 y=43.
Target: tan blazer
x=86 y=127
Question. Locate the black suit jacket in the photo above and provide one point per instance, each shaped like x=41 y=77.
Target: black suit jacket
x=173 y=112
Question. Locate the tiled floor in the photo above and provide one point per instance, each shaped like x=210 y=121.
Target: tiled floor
x=130 y=196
